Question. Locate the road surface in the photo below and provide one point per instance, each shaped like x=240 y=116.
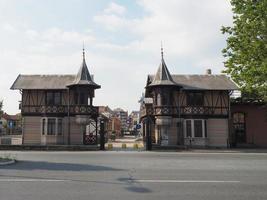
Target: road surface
x=134 y=175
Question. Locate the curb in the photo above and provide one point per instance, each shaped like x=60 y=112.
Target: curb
x=7 y=162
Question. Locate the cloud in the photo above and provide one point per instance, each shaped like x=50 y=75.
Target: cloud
x=121 y=48
x=190 y=32
x=113 y=18
x=114 y=8
x=186 y=28
x=110 y=21
x=9 y=28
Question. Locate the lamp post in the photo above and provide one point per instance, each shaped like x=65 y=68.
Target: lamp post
x=102 y=134
x=149 y=106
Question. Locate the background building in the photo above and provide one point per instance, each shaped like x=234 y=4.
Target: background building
x=10 y=124
x=113 y=125
x=133 y=120
x=123 y=116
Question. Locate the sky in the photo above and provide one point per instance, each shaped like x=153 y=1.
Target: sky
x=122 y=40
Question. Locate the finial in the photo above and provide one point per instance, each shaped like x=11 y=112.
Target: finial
x=83 y=51
x=161 y=51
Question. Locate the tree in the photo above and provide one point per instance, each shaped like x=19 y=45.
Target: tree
x=1 y=107
x=246 y=50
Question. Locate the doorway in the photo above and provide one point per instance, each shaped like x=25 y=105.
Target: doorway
x=239 y=125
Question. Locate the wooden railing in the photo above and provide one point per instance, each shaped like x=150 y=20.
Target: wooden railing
x=185 y=110
x=60 y=109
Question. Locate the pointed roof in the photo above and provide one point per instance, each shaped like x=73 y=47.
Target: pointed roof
x=163 y=76
x=83 y=77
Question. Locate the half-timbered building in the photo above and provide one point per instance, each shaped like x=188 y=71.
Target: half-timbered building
x=58 y=109
x=187 y=109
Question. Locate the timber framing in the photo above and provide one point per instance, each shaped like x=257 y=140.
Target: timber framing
x=58 y=109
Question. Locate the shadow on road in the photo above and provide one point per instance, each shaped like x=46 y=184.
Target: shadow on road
x=51 y=166
x=133 y=186
x=138 y=189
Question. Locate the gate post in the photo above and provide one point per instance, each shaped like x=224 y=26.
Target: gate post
x=149 y=111
x=102 y=134
x=148 y=134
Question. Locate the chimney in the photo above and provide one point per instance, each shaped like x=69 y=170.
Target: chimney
x=208 y=71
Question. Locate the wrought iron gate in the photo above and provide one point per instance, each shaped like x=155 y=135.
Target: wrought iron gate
x=90 y=133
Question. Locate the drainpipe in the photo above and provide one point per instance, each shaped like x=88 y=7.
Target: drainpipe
x=22 y=118
x=22 y=130
x=180 y=121
x=229 y=121
x=68 y=116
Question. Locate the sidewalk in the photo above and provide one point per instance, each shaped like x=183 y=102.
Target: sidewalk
x=127 y=140
x=233 y=150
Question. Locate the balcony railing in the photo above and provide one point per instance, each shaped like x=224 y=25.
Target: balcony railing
x=184 y=110
x=60 y=109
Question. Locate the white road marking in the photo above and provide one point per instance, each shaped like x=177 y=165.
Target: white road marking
x=185 y=181
x=134 y=180
x=32 y=180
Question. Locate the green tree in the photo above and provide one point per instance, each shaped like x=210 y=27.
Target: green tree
x=246 y=50
x=1 y=108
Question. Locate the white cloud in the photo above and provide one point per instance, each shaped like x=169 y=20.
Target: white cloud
x=189 y=29
x=185 y=27
x=112 y=18
x=114 y=8
x=110 y=21
x=9 y=28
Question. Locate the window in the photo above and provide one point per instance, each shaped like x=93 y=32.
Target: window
x=82 y=99
x=198 y=128
x=159 y=100
x=49 y=98
x=43 y=126
x=57 y=98
x=188 y=128
x=195 y=99
x=51 y=126
x=59 y=127
x=239 y=117
x=195 y=128
x=163 y=99
x=76 y=95
x=53 y=98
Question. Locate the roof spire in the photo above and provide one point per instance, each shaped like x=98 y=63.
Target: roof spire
x=161 y=51
x=163 y=76
x=83 y=52
x=83 y=77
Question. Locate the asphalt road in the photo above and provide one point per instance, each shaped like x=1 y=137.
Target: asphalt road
x=134 y=175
